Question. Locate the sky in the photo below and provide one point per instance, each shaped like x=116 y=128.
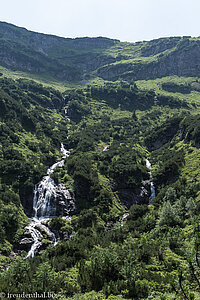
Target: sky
x=126 y=20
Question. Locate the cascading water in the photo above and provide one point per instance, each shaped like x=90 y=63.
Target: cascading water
x=45 y=204
x=153 y=192
x=66 y=115
x=37 y=237
x=46 y=191
x=124 y=217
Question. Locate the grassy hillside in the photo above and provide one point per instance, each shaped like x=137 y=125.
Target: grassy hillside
x=140 y=257
x=117 y=245
x=80 y=59
x=31 y=126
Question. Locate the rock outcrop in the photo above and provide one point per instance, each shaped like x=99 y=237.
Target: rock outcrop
x=139 y=195
x=63 y=58
x=182 y=60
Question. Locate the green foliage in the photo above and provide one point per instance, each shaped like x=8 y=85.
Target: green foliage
x=28 y=142
x=103 y=253
x=179 y=88
x=168 y=216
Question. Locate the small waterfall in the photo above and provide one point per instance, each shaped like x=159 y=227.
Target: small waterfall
x=124 y=217
x=153 y=192
x=35 y=227
x=46 y=191
x=66 y=115
x=47 y=196
x=37 y=238
x=65 y=152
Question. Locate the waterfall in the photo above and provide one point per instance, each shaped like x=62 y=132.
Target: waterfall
x=66 y=115
x=45 y=204
x=153 y=192
x=105 y=148
x=124 y=217
x=46 y=191
x=37 y=237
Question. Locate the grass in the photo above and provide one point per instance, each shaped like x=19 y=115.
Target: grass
x=192 y=98
x=45 y=80
x=191 y=170
x=125 y=49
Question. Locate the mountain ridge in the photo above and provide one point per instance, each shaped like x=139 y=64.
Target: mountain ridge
x=20 y=28
x=80 y=58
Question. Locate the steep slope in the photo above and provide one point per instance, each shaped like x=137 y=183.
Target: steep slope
x=133 y=169
x=82 y=58
x=31 y=129
x=114 y=128
x=183 y=60
x=66 y=59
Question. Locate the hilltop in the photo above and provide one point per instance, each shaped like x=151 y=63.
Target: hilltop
x=83 y=58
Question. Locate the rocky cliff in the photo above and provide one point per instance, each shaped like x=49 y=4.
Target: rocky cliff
x=76 y=59
x=181 y=60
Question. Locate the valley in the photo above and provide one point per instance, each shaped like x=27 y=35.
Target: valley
x=99 y=166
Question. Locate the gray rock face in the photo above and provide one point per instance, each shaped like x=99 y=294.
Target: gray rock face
x=27 y=203
x=183 y=60
x=35 y=52
x=60 y=57
x=25 y=243
x=65 y=202
x=159 y=45
x=135 y=196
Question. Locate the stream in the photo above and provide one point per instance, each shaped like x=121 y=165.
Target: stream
x=153 y=192
x=50 y=200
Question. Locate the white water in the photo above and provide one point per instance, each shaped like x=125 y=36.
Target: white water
x=153 y=192
x=37 y=238
x=59 y=164
x=105 y=148
x=35 y=227
x=44 y=205
x=45 y=194
x=125 y=215
x=66 y=115
x=44 y=201
x=65 y=152
x=148 y=164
